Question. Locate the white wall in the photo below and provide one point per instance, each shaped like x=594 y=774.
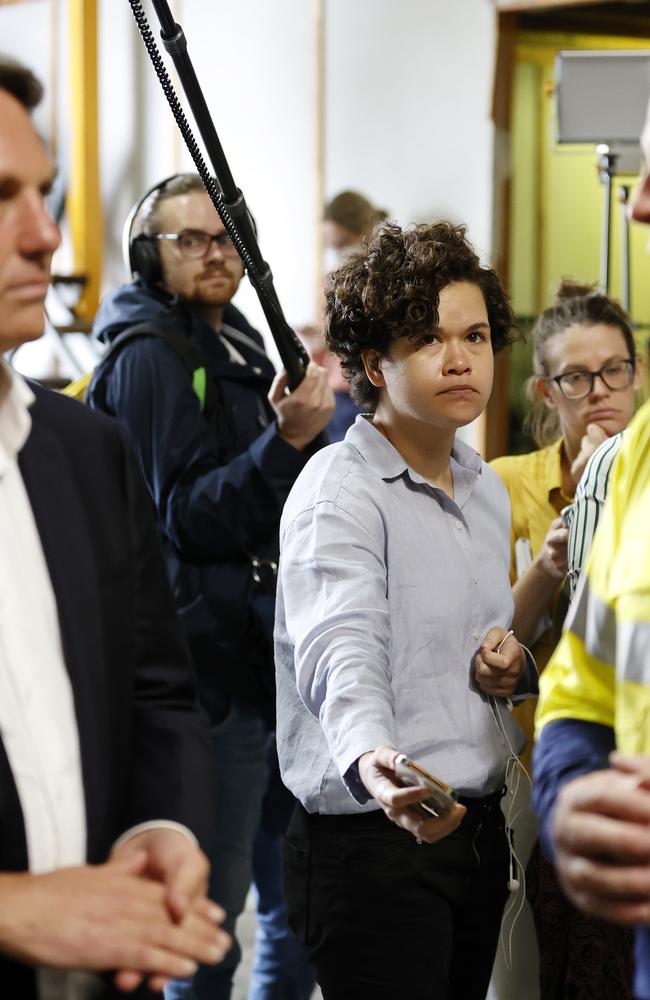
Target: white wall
x=408 y=88
x=408 y=107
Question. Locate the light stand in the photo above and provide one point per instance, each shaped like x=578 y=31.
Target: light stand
x=606 y=172
x=624 y=199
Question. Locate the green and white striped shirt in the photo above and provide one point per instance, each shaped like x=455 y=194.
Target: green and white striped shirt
x=582 y=516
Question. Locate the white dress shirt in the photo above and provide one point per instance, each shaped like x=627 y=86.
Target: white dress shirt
x=37 y=716
x=38 y=725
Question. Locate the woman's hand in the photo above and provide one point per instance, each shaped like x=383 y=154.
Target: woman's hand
x=592 y=439
x=377 y=772
x=553 y=555
x=499 y=673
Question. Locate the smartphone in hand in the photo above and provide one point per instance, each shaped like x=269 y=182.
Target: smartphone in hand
x=442 y=798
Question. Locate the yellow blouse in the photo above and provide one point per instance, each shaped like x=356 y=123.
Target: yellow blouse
x=534 y=483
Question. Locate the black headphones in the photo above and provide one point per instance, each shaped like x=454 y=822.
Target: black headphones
x=141 y=254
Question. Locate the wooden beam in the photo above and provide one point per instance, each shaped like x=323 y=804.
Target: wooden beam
x=503 y=70
x=610 y=19
x=318 y=15
x=84 y=201
x=519 y=6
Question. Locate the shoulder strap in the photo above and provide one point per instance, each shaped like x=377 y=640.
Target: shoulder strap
x=181 y=346
x=234 y=334
x=204 y=386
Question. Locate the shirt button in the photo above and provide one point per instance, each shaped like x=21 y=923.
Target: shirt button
x=459 y=525
x=475 y=636
x=476 y=582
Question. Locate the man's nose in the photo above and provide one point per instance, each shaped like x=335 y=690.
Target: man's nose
x=38 y=233
x=214 y=250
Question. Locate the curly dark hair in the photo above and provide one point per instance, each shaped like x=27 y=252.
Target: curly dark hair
x=391 y=289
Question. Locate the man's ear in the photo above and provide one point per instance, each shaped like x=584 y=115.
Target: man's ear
x=543 y=388
x=638 y=372
x=372 y=363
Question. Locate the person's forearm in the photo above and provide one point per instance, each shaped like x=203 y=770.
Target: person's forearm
x=14 y=939
x=533 y=594
x=566 y=749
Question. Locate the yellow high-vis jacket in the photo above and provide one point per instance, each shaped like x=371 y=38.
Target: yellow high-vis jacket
x=600 y=671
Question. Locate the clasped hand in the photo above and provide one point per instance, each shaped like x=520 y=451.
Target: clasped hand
x=498 y=674
x=601 y=829
x=143 y=913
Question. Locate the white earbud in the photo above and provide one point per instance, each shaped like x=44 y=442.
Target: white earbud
x=513 y=881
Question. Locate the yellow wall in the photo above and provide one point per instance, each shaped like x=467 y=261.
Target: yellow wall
x=557 y=210
x=557 y=202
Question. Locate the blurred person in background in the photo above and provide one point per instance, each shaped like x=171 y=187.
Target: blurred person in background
x=348 y=220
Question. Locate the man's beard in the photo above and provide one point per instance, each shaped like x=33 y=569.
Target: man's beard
x=217 y=295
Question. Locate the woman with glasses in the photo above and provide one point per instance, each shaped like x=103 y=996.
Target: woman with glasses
x=582 y=392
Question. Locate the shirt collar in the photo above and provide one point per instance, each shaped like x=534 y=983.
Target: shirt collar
x=387 y=462
x=15 y=422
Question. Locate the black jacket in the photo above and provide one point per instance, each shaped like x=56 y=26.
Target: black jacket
x=144 y=745
x=217 y=513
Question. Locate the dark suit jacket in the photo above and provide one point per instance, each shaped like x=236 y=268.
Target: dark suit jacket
x=144 y=744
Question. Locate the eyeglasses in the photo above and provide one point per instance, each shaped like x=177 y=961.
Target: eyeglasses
x=576 y=385
x=194 y=243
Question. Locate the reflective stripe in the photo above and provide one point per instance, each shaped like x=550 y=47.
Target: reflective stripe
x=593 y=621
x=633 y=651
x=575 y=685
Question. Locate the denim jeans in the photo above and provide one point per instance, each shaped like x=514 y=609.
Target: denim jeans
x=252 y=806
x=281 y=968
x=240 y=744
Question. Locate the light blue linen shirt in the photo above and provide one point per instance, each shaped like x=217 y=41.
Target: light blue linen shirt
x=386 y=588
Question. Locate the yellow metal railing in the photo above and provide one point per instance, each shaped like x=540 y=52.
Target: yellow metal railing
x=84 y=201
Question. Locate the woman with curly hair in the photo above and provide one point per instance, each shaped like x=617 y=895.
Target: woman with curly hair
x=392 y=635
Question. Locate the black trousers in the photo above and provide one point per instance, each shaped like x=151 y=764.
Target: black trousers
x=386 y=918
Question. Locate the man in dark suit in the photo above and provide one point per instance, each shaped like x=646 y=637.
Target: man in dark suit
x=104 y=756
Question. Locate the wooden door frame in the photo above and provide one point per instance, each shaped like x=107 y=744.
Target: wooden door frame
x=513 y=16
x=521 y=6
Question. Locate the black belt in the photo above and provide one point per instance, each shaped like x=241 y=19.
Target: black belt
x=483 y=802
x=475 y=805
